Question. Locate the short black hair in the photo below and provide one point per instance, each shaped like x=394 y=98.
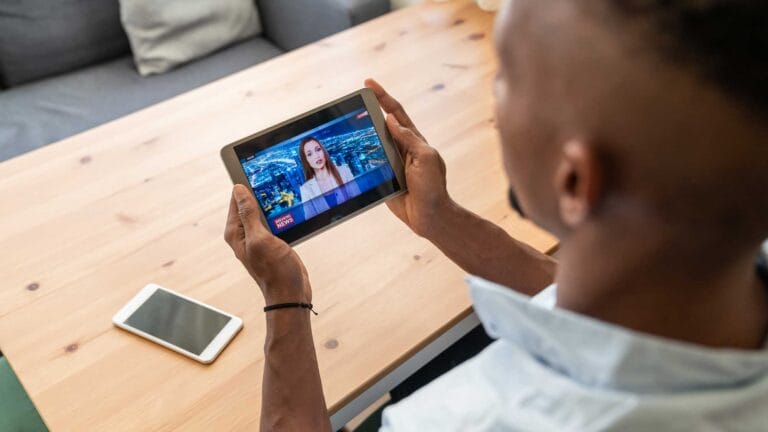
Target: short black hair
x=725 y=41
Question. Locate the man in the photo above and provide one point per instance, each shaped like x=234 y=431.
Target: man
x=635 y=131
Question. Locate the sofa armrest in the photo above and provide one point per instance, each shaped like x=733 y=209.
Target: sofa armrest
x=291 y=24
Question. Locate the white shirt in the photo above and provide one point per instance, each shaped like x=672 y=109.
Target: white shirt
x=555 y=370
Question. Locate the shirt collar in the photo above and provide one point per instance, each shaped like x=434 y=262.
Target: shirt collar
x=599 y=354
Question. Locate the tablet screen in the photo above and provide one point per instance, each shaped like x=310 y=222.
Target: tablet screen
x=322 y=167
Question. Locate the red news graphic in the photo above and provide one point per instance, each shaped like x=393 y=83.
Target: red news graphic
x=284 y=221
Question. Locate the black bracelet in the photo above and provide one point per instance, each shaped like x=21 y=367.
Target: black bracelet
x=290 y=305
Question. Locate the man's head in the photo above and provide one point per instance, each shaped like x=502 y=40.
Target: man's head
x=623 y=112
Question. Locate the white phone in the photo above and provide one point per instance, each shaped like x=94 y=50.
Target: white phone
x=178 y=322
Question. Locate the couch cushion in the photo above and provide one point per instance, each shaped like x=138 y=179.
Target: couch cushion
x=46 y=111
x=291 y=24
x=39 y=38
x=166 y=34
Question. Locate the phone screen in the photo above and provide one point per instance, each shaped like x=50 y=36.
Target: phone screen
x=178 y=321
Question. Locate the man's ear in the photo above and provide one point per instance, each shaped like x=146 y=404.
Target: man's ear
x=578 y=182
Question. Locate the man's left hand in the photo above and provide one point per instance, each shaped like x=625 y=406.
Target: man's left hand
x=273 y=264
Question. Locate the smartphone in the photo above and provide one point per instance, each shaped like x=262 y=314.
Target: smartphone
x=320 y=168
x=178 y=322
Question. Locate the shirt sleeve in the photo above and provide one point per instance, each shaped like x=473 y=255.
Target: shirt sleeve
x=386 y=425
x=465 y=398
x=546 y=298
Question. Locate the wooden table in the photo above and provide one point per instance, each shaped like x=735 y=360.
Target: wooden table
x=90 y=220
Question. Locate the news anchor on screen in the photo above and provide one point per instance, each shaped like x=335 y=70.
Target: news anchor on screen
x=322 y=178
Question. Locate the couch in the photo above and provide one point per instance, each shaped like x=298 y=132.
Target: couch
x=88 y=75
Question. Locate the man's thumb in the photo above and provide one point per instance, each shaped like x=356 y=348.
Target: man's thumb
x=246 y=206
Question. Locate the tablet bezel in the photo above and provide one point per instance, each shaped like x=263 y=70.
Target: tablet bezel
x=238 y=176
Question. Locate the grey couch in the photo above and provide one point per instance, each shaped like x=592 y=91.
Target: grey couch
x=66 y=66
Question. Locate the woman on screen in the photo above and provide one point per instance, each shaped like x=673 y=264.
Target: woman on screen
x=322 y=176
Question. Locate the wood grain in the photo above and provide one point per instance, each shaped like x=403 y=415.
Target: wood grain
x=90 y=220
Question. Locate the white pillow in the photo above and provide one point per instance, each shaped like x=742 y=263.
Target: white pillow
x=168 y=33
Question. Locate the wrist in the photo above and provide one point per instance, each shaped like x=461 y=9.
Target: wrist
x=446 y=220
x=285 y=326
x=285 y=298
x=277 y=293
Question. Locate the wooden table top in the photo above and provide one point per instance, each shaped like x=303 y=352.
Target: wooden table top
x=90 y=220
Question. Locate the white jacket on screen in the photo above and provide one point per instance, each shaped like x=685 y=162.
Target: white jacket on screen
x=310 y=189
x=312 y=197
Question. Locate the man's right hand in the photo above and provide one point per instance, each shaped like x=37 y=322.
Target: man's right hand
x=427 y=197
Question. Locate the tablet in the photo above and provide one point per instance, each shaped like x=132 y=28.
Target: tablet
x=320 y=168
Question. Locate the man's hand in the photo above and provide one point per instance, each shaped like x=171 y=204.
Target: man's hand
x=478 y=246
x=271 y=262
x=427 y=196
x=292 y=393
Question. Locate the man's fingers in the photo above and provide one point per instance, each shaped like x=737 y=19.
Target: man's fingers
x=391 y=105
x=405 y=139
